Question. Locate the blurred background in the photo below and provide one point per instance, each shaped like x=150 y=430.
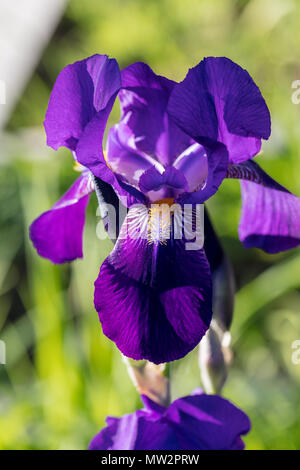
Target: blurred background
x=62 y=375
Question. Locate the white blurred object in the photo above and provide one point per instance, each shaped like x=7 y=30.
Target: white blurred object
x=25 y=29
x=28 y=143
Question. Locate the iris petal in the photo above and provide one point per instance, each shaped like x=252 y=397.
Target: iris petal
x=123 y=158
x=57 y=233
x=208 y=422
x=196 y=422
x=81 y=90
x=153 y=300
x=217 y=163
x=144 y=100
x=219 y=100
x=193 y=164
x=270 y=217
x=152 y=179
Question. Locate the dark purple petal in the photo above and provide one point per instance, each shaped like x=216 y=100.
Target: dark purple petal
x=270 y=217
x=57 y=233
x=219 y=100
x=196 y=422
x=144 y=100
x=152 y=179
x=207 y=422
x=89 y=150
x=217 y=163
x=106 y=437
x=81 y=90
x=153 y=299
x=140 y=75
x=89 y=153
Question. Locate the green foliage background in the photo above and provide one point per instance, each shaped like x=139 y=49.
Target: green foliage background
x=62 y=375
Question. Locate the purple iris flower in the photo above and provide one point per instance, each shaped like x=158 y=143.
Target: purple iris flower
x=195 y=422
x=173 y=143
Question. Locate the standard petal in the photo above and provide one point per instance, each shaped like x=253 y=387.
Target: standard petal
x=57 y=233
x=270 y=217
x=81 y=90
x=123 y=159
x=153 y=299
x=220 y=101
x=89 y=150
x=90 y=154
x=144 y=100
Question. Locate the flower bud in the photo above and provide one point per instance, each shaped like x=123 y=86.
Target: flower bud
x=223 y=293
x=149 y=379
x=213 y=369
x=222 y=276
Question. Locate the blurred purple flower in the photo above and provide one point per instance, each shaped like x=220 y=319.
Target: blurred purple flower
x=195 y=422
x=174 y=143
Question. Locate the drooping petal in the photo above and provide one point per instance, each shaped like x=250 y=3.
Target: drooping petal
x=153 y=299
x=196 y=422
x=57 y=233
x=219 y=100
x=270 y=217
x=144 y=100
x=81 y=90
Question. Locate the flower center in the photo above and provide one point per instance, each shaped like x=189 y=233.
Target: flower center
x=160 y=215
x=168 y=200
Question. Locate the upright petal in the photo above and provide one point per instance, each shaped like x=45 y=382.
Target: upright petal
x=153 y=299
x=57 y=233
x=90 y=154
x=122 y=157
x=89 y=149
x=144 y=100
x=270 y=217
x=81 y=90
x=219 y=100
